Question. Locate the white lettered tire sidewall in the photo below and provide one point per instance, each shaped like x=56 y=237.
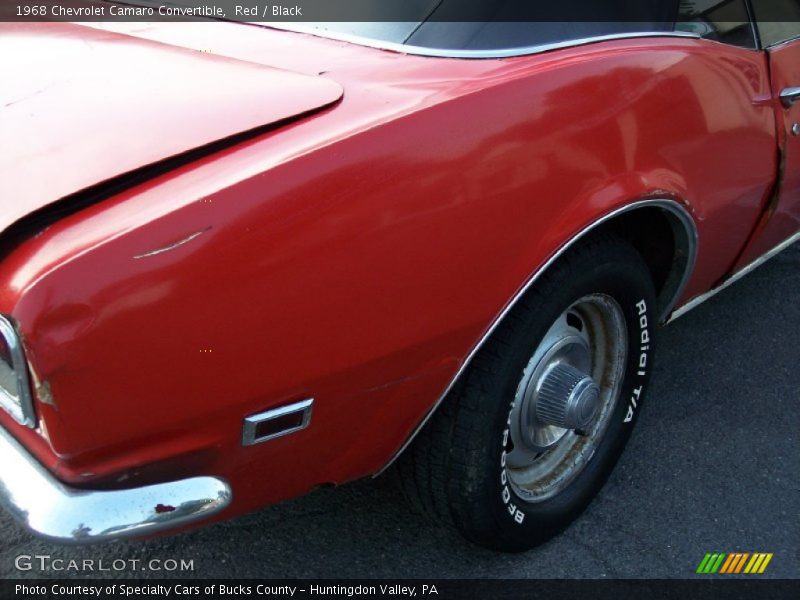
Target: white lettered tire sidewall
x=453 y=471
x=632 y=290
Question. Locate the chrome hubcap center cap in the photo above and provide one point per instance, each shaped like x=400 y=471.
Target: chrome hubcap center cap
x=566 y=397
x=556 y=393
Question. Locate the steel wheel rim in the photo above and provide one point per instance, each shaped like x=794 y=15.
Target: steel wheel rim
x=590 y=337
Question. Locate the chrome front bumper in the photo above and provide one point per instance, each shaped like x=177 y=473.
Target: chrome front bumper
x=50 y=509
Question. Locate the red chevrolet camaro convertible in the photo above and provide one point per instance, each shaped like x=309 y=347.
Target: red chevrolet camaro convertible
x=239 y=261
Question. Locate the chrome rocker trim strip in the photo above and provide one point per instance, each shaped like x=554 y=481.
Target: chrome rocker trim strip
x=52 y=510
x=472 y=54
x=698 y=300
x=677 y=210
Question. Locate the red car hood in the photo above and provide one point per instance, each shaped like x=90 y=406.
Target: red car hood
x=79 y=106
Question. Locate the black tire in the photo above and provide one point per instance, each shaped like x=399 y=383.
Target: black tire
x=452 y=470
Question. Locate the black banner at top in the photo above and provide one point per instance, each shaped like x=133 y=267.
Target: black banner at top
x=407 y=11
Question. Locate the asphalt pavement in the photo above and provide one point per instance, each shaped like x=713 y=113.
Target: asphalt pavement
x=713 y=466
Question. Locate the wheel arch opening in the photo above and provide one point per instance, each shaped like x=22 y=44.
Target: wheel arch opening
x=661 y=230
x=666 y=237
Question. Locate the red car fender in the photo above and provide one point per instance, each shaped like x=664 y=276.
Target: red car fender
x=363 y=271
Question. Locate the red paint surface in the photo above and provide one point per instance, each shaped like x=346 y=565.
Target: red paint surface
x=82 y=105
x=357 y=256
x=781 y=219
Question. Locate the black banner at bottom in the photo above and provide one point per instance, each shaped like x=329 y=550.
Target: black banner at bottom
x=700 y=589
